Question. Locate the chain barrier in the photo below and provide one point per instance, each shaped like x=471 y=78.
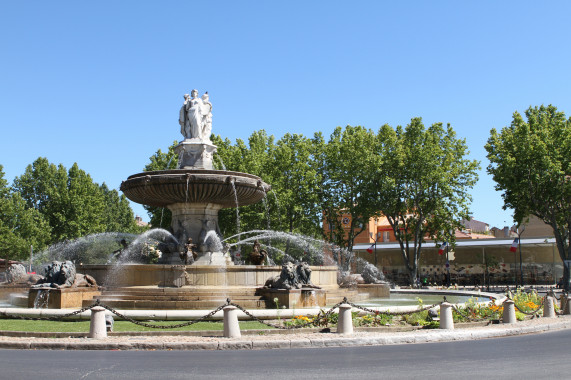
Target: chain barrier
x=322 y=316
x=520 y=309
x=58 y=318
x=314 y=322
x=164 y=327
x=377 y=312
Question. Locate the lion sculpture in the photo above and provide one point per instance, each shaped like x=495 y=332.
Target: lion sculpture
x=63 y=275
x=16 y=274
x=372 y=275
x=292 y=277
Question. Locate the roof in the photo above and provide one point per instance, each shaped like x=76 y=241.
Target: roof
x=463 y=243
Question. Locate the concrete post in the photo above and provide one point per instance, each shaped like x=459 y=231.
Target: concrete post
x=97 y=327
x=567 y=307
x=509 y=312
x=548 y=307
x=231 y=326
x=345 y=321
x=446 y=320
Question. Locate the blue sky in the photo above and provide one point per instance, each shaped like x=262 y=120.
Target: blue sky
x=100 y=83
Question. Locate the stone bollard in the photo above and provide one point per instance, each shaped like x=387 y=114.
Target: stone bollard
x=345 y=321
x=97 y=327
x=446 y=320
x=548 y=307
x=231 y=326
x=509 y=312
x=567 y=307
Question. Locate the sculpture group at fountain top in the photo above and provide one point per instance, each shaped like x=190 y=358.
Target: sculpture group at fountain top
x=195 y=117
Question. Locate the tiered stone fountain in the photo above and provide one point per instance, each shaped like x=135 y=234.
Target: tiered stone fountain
x=194 y=193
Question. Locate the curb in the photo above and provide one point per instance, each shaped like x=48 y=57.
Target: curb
x=290 y=341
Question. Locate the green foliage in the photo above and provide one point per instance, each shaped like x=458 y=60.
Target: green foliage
x=373 y=320
x=419 y=178
x=417 y=319
x=531 y=164
x=20 y=226
x=344 y=164
x=161 y=217
x=66 y=204
x=421 y=185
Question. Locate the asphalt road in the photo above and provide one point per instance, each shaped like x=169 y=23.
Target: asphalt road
x=540 y=356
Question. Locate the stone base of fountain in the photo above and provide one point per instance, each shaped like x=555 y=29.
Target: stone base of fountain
x=179 y=287
x=65 y=298
x=7 y=289
x=294 y=298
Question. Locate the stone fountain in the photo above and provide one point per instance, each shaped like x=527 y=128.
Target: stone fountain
x=195 y=192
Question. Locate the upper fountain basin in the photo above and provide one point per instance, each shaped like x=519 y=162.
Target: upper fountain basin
x=165 y=187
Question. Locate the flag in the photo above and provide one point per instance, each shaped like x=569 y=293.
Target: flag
x=513 y=248
x=370 y=249
x=442 y=248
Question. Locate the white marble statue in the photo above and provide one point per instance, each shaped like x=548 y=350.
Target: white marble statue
x=195 y=117
x=207 y=125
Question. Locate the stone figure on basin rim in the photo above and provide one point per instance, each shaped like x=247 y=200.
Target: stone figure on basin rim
x=195 y=117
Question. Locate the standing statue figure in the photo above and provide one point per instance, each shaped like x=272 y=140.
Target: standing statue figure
x=195 y=117
x=183 y=119
x=207 y=119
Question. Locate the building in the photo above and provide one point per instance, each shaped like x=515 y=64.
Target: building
x=480 y=254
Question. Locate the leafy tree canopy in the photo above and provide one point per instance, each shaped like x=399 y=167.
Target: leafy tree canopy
x=421 y=184
x=530 y=162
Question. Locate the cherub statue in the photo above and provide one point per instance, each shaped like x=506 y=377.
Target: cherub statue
x=190 y=252
x=258 y=255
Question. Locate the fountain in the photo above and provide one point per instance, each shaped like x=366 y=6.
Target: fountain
x=194 y=268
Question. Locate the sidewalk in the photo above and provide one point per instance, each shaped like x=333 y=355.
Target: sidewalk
x=285 y=340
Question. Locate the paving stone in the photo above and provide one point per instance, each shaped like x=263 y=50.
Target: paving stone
x=270 y=344
x=234 y=345
x=15 y=345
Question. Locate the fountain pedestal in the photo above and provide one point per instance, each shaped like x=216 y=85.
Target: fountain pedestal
x=195 y=154
x=64 y=298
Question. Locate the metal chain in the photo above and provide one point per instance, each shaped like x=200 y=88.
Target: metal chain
x=164 y=327
x=533 y=312
x=377 y=312
x=58 y=318
x=306 y=324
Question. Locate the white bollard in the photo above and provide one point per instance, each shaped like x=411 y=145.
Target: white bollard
x=548 y=307
x=446 y=319
x=567 y=307
x=345 y=321
x=509 y=312
x=97 y=327
x=231 y=325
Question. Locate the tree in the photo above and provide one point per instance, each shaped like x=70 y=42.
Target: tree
x=530 y=162
x=117 y=215
x=160 y=217
x=345 y=163
x=253 y=158
x=421 y=185
x=70 y=201
x=294 y=182
x=20 y=226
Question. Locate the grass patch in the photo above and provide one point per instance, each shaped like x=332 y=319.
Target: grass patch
x=118 y=326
